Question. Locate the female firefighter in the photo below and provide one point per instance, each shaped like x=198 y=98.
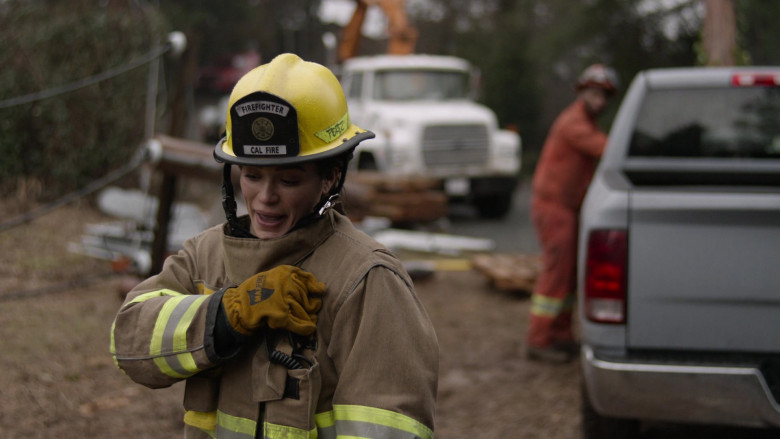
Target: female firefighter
x=287 y=322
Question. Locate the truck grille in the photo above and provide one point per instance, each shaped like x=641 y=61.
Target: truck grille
x=455 y=145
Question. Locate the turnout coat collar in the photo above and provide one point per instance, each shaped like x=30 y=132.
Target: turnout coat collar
x=244 y=257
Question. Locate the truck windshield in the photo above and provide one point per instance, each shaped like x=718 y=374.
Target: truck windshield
x=408 y=85
x=739 y=122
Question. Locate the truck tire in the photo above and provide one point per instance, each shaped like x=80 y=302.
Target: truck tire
x=493 y=206
x=596 y=426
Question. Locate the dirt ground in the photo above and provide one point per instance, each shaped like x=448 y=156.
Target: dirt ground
x=59 y=381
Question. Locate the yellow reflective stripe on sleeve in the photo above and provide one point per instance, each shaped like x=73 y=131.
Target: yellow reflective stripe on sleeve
x=233 y=427
x=275 y=431
x=204 y=421
x=140 y=298
x=369 y=422
x=169 y=346
x=157 y=293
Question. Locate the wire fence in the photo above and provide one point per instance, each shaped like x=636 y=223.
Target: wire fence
x=86 y=82
x=174 y=44
x=92 y=187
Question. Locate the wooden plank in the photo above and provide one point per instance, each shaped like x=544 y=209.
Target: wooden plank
x=401 y=199
x=395 y=183
x=509 y=272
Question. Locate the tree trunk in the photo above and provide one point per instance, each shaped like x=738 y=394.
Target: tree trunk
x=719 y=32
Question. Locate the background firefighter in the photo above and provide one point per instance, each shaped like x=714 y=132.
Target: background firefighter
x=287 y=322
x=566 y=165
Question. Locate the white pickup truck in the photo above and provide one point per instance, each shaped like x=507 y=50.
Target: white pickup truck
x=426 y=121
x=679 y=251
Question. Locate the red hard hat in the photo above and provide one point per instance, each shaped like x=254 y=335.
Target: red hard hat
x=598 y=76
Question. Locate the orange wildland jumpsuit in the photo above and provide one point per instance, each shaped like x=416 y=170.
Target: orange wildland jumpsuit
x=565 y=168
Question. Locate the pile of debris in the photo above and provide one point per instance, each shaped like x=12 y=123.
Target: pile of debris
x=509 y=272
x=401 y=199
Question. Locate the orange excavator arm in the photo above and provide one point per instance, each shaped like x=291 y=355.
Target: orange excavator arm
x=402 y=36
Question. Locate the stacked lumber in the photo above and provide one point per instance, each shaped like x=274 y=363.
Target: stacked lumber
x=184 y=157
x=401 y=199
x=509 y=272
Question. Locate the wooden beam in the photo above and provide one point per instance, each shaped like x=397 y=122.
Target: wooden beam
x=176 y=158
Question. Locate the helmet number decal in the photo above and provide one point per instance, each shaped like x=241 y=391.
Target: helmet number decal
x=332 y=132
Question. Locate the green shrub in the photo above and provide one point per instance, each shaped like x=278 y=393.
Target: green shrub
x=61 y=143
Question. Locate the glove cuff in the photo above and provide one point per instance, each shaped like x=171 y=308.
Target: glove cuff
x=234 y=309
x=226 y=340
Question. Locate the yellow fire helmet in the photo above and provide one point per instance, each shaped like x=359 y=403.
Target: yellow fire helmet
x=287 y=111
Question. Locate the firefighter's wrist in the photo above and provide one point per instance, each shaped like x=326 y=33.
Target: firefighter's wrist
x=227 y=341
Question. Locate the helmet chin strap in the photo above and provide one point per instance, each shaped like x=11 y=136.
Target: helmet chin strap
x=325 y=205
x=229 y=206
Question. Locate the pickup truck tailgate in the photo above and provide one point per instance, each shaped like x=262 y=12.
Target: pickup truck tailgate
x=704 y=270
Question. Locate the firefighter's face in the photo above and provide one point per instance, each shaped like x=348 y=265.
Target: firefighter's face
x=595 y=100
x=277 y=197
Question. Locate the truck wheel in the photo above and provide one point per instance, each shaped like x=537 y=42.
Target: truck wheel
x=494 y=205
x=596 y=426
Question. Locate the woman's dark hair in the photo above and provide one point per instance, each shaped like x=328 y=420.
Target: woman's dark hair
x=326 y=167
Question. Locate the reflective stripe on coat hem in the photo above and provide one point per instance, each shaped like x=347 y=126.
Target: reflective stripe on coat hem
x=369 y=422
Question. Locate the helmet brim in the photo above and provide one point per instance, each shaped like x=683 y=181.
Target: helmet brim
x=222 y=156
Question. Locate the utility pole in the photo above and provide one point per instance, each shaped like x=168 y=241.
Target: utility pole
x=719 y=32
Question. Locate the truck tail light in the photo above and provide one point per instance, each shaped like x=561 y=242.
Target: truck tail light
x=756 y=79
x=605 y=276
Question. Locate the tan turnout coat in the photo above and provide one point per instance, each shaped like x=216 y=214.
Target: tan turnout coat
x=374 y=368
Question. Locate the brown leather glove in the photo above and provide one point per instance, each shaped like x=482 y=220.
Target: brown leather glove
x=284 y=297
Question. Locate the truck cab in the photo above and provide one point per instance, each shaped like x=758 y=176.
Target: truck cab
x=427 y=122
